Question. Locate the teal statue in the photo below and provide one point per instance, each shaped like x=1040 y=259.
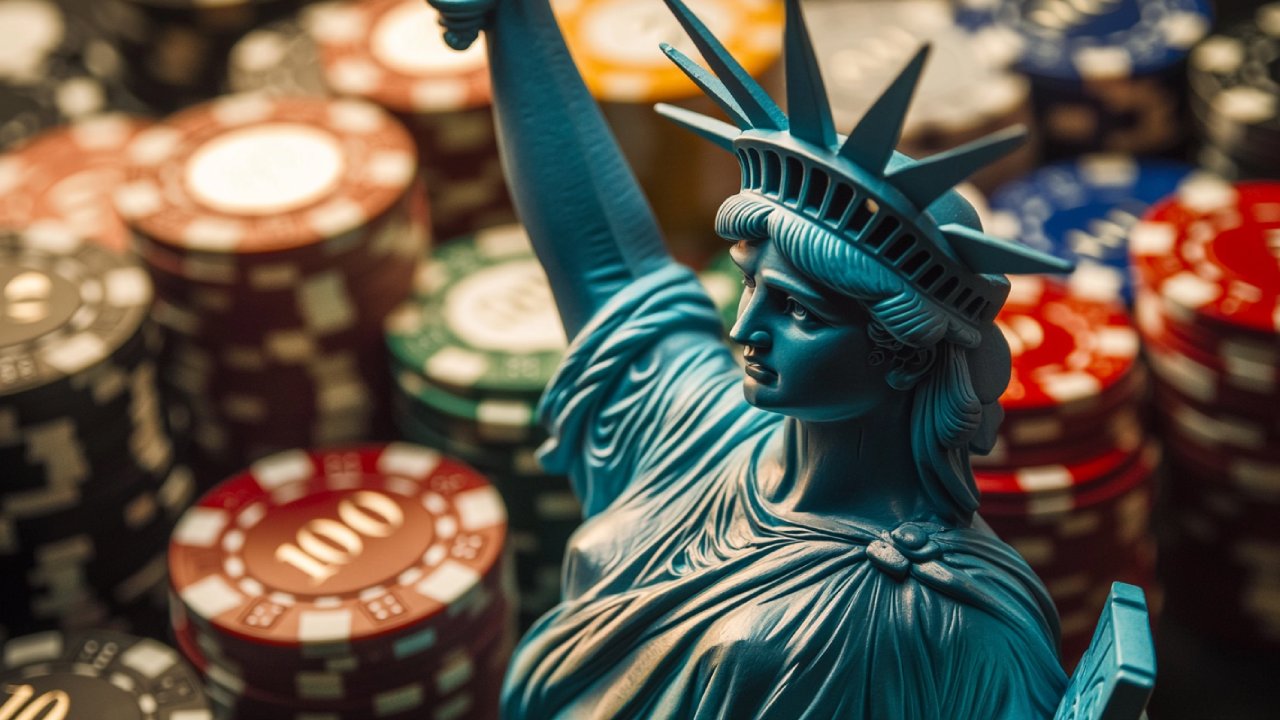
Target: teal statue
x=801 y=542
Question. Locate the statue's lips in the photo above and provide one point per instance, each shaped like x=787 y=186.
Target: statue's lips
x=761 y=373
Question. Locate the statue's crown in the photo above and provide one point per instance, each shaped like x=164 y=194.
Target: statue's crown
x=856 y=187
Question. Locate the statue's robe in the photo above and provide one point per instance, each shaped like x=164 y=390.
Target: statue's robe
x=689 y=595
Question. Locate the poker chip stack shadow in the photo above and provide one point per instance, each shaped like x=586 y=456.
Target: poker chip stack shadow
x=392 y=53
x=280 y=57
x=1235 y=97
x=56 y=67
x=1082 y=210
x=174 y=52
x=279 y=233
x=368 y=582
x=962 y=95
x=98 y=674
x=1209 y=311
x=91 y=484
x=1105 y=77
x=471 y=354
x=1070 y=483
x=722 y=279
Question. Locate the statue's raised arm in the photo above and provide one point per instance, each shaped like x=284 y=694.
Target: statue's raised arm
x=578 y=199
x=797 y=538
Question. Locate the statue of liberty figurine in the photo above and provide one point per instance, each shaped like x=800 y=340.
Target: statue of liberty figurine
x=802 y=542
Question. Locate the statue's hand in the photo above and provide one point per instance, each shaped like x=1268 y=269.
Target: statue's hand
x=462 y=20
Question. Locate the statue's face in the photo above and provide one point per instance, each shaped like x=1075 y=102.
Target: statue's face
x=807 y=349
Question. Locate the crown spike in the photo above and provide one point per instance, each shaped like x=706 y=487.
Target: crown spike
x=806 y=95
x=984 y=253
x=871 y=143
x=720 y=133
x=709 y=85
x=755 y=103
x=925 y=180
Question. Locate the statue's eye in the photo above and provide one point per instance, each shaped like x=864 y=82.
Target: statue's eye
x=796 y=310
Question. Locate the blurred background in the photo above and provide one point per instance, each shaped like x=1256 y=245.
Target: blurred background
x=232 y=229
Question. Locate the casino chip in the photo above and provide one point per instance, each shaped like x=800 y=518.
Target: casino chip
x=1082 y=210
x=62 y=180
x=615 y=45
x=1208 y=307
x=1207 y=255
x=98 y=675
x=391 y=53
x=279 y=232
x=362 y=582
x=89 y=451
x=490 y=326
x=1105 y=77
x=471 y=354
x=1235 y=97
x=962 y=96
x=1070 y=481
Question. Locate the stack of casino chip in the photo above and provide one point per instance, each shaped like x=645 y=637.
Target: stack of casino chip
x=392 y=53
x=615 y=46
x=62 y=180
x=1082 y=210
x=55 y=67
x=1070 y=482
x=1235 y=97
x=471 y=354
x=368 y=582
x=97 y=675
x=91 y=483
x=1105 y=76
x=962 y=96
x=174 y=52
x=1209 y=311
x=279 y=233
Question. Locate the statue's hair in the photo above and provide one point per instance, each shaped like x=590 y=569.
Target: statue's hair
x=948 y=417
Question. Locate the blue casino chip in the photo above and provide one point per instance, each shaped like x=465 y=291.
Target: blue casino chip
x=1082 y=210
x=1073 y=41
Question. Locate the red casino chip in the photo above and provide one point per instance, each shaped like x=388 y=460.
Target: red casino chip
x=1209 y=253
x=1072 y=439
x=1216 y=427
x=391 y=52
x=1248 y=351
x=1252 y=474
x=1051 y=428
x=1062 y=477
x=1067 y=350
x=249 y=174
x=62 y=180
x=348 y=548
x=1066 y=532
x=1201 y=378
x=464 y=676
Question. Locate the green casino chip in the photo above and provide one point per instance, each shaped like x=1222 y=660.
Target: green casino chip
x=485 y=323
x=497 y=420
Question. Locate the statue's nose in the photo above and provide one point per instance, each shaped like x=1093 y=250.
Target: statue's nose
x=759 y=338
x=754 y=339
